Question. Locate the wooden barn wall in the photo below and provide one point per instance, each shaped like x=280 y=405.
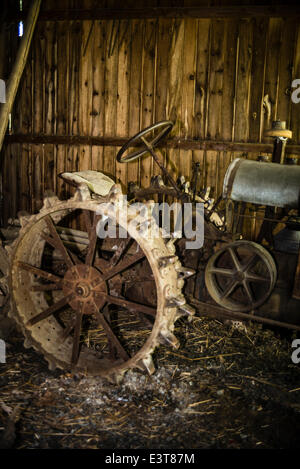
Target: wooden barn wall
x=112 y=78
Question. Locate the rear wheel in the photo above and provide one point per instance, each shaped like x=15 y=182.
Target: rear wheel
x=76 y=295
x=241 y=276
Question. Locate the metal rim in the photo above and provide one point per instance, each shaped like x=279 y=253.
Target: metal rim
x=137 y=154
x=233 y=270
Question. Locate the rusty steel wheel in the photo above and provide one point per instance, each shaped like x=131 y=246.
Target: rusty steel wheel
x=240 y=276
x=74 y=293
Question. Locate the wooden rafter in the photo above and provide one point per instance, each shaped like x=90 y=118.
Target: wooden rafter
x=184 y=144
x=237 y=11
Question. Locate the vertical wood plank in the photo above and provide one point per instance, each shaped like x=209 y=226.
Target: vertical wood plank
x=50 y=104
x=174 y=91
x=229 y=77
x=123 y=96
x=98 y=62
x=38 y=56
x=86 y=93
x=217 y=53
x=135 y=90
x=148 y=92
x=272 y=68
x=24 y=166
x=202 y=73
x=256 y=110
x=285 y=77
x=241 y=130
x=188 y=92
x=164 y=41
x=72 y=158
x=63 y=77
x=214 y=109
x=228 y=99
x=11 y=190
x=111 y=80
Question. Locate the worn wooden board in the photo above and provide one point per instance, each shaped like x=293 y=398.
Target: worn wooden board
x=135 y=87
x=98 y=63
x=202 y=75
x=148 y=92
x=271 y=72
x=243 y=81
x=258 y=71
x=111 y=78
x=123 y=86
x=229 y=85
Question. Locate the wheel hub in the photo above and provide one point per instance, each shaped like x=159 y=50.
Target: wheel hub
x=239 y=276
x=83 y=290
x=87 y=288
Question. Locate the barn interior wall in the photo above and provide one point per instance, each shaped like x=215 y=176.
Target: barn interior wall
x=218 y=79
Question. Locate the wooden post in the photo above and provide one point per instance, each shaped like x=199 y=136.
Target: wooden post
x=19 y=65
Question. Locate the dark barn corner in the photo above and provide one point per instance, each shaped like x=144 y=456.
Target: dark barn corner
x=150 y=225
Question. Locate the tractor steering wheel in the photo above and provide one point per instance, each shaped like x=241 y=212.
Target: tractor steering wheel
x=164 y=126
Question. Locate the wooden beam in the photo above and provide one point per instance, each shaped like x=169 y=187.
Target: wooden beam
x=184 y=144
x=215 y=310
x=19 y=65
x=238 y=11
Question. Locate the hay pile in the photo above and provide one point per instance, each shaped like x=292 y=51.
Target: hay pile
x=226 y=387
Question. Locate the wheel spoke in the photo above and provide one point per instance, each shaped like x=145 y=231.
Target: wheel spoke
x=47 y=287
x=76 y=339
x=52 y=309
x=248 y=291
x=112 y=337
x=39 y=272
x=111 y=347
x=122 y=248
x=145 y=142
x=87 y=220
x=74 y=258
x=122 y=265
x=92 y=242
x=250 y=263
x=101 y=264
x=68 y=329
x=257 y=278
x=131 y=305
x=234 y=258
x=229 y=289
x=56 y=241
x=221 y=271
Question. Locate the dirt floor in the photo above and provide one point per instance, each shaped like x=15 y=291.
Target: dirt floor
x=226 y=387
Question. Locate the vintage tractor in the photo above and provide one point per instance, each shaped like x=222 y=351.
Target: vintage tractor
x=226 y=265
x=100 y=305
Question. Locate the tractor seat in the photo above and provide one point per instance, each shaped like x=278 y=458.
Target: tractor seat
x=97 y=182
